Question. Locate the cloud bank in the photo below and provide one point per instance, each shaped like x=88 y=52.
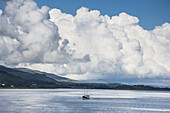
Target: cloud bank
x=85 y=46
x=28 y=36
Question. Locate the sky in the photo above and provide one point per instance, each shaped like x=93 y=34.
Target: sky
x=150 y=12
x=88 y=40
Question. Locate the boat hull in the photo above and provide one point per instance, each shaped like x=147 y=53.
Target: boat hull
x=86 y=97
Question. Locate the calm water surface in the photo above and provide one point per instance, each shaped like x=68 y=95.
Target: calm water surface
x=70 y=101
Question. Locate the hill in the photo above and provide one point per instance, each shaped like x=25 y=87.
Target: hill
x=18 y=78
x=26 y=78
x=50 y=75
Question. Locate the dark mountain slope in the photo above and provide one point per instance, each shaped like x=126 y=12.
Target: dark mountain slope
x=14 y=76
x=26 y=78
x=50 y=75
x=9 y=79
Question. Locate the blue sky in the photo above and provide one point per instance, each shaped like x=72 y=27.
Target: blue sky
x=151 y=13
x=84 y=48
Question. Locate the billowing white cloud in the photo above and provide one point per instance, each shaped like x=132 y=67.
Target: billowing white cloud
x=117 y=46
x=27 y=35
x=85 y=46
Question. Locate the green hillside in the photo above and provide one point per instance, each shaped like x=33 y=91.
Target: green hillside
x=26 y=78
x=17 y=78
x=50 y=75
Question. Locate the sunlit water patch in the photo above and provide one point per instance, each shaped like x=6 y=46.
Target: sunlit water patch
x=70 y=101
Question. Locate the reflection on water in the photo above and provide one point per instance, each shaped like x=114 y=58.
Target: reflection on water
x=69 y=100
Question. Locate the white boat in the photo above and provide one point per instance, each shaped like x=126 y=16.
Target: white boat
x=86 y=96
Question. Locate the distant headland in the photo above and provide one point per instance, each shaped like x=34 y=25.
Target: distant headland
x=26 y=79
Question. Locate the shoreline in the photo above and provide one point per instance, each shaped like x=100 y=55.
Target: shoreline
x=161 y=89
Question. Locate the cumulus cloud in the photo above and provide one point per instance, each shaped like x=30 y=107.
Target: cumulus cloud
x=85 y=46
x=118 y=47
x=28 y=36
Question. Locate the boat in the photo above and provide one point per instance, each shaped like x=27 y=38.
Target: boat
x=86 y=96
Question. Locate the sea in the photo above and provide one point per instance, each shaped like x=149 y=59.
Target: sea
x=70 y=101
